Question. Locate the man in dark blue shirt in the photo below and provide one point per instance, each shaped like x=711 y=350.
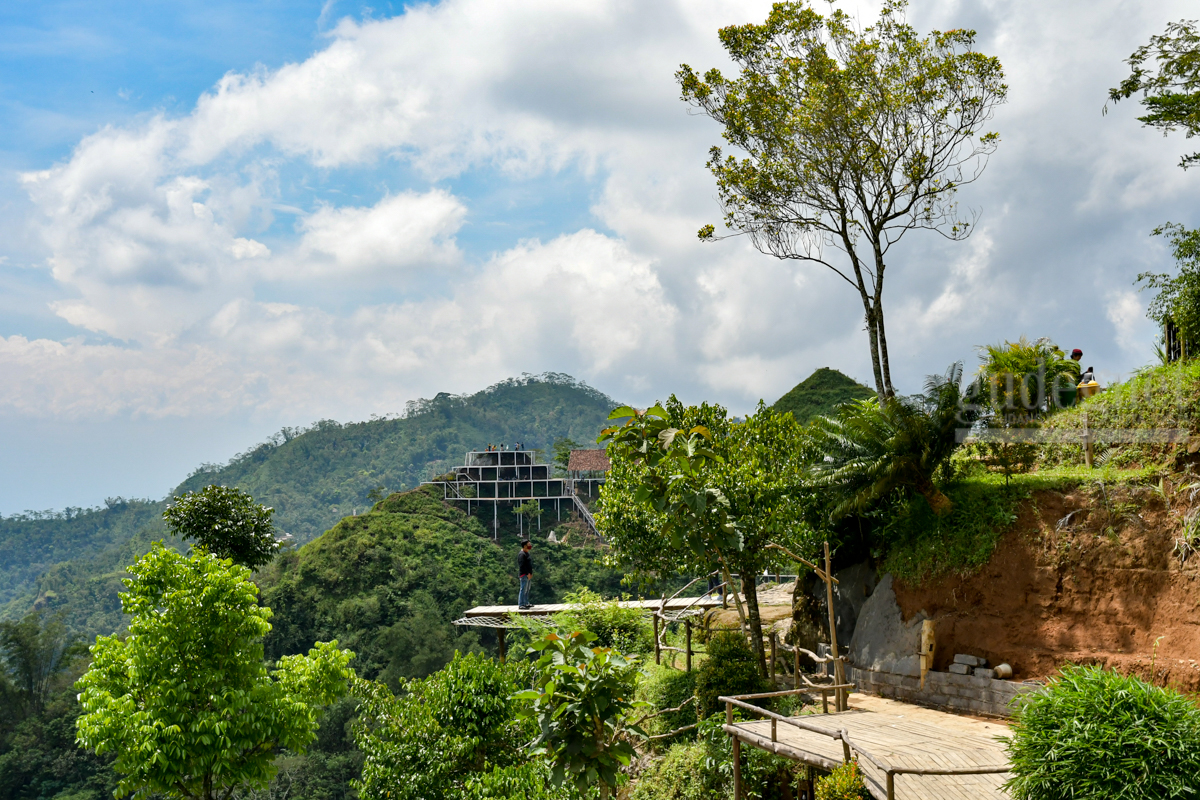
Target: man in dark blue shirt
x=524 y=574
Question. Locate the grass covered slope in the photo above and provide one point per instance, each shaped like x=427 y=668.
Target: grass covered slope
x=820 y=393
x=387 y=584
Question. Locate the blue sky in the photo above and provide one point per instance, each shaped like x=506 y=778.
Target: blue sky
x=218 y=219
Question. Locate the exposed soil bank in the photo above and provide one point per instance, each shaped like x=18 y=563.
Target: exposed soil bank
x=1086 y=576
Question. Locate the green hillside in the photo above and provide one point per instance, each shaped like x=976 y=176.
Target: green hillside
x=387 y=584
x=72 y=561
x=820 y=393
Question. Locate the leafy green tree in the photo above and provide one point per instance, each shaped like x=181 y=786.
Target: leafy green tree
x=529 y=511
x=853 y=137
x=1178 y=298
x=583 y=702
x=35 y=651
x=719 y=494
x=1171 y=89
x=1097 y=733
x=1022 y=379
x=185 y=703
x=562 y=452
x=451 y=735
x=874 y=448
x=226 y=522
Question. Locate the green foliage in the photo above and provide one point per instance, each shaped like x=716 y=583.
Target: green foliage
x=582 y=701
x=227 y=523
x=185 y=702
x=1096 y=733
x=663 y=688
x=729 y=669
x=34 y=652
x=852 y=136
x=74 y=561
x=1170 y=95
x=316 y=476
x=1022 y=380
x=820 y=394
x=711 y=491
x=625 y=629
x=562 y=452
x=873 y=449
x=1156 y=398
x=921 y=545
x=1178 y=298
x=451 y=735
x=844 y=783
x=388 y=584
x=683 y=773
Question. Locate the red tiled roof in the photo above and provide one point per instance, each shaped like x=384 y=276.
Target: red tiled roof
x=588 y=461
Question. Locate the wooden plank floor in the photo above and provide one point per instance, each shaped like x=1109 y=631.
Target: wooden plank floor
x=678 y=604
x=903 y=736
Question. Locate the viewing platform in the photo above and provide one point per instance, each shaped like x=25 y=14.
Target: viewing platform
x=513 y=478
x=904 y=752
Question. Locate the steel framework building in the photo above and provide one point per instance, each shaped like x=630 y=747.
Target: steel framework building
x=510 y=476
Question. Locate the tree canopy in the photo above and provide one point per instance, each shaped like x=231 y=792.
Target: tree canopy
x=852 y=138
x=184 y=702
x=1166 y=72
x=227 y=523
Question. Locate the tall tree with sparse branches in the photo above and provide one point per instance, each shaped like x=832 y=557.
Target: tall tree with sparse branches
x=852 y=138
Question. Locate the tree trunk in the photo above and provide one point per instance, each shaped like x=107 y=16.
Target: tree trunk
x=940 y=504
x=756 y=634
x=883 y=351
x=730 y=589
x=880 y=387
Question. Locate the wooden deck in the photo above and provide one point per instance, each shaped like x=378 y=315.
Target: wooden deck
x=675 y=606
x=902 y=737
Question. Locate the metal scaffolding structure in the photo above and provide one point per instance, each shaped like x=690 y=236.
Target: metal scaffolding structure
x=512 y=477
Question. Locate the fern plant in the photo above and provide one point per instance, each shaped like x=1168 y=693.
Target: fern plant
x=873 y=448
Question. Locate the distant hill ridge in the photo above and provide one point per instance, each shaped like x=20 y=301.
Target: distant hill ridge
x=312 y=477
x=820 y=393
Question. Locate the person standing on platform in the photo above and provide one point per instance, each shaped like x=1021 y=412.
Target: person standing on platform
x=524 y=573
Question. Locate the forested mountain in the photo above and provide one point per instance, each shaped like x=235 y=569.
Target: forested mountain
x=820 y=393
x=313 y=477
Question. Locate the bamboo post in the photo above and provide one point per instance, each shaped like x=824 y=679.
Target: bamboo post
x=737 y=769
x=891 y=786
x=796 y=666
x=657 y=650
x=838 y=673
x=501 y=644
x=687 y=626
x=774 y=646
x=927 y=648
x=1087 y=442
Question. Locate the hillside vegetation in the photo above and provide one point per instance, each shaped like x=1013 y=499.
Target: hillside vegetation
x=389 y=583
x=73 y=561
x=820 y=393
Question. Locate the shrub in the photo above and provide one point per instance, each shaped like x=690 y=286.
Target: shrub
x=684 y=773
x=729 y=669
x=1096 y=733
x=623 y=629
x=844 y=783
x=663 y=687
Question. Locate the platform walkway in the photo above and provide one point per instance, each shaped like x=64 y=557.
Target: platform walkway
x=501 y=616
x=888 y=736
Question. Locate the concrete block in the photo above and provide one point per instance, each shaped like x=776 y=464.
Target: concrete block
x=960 y=669
x=959 y=703
x=954 y=679
x=984 y=672
x=970 y=661
x=979 y=682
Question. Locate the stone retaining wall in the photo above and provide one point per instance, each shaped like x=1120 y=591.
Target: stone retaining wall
x=944 y=690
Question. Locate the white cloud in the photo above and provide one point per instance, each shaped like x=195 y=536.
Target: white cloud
x=163 y=232
x=404 y=230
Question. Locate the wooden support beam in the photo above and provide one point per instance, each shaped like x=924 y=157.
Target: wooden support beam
x=774 y=649
x=796 y=667
x=500 y=634
x=657 y=647
x=688 y=629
